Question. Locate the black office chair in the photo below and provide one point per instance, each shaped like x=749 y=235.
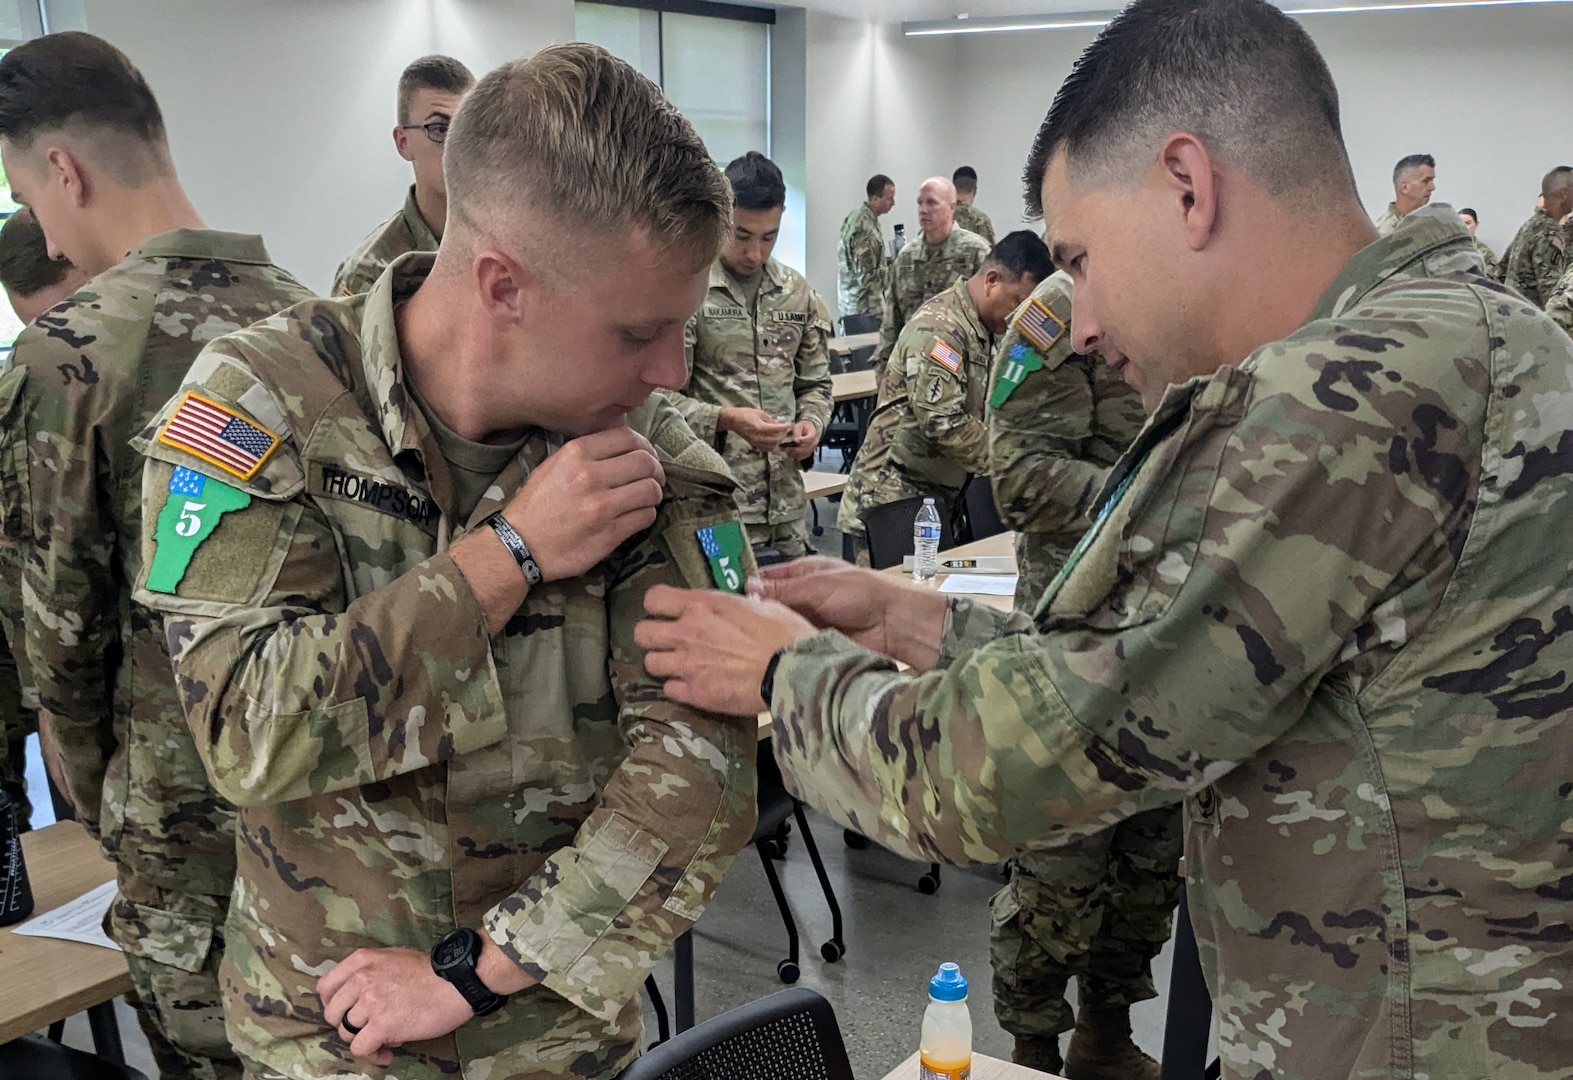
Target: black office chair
x=860 y=358
x=1188 y=1020
x=889 y=530
x=771 y=838
x=859 y=324
x=33 y=1057
x=792 y=1035
x=983 y=515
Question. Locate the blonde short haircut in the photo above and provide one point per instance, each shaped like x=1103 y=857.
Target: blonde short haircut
x=590 y=146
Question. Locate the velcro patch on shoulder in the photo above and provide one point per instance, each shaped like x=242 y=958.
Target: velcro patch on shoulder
x=1039 y=325
x=946 y=357
x=218 y=435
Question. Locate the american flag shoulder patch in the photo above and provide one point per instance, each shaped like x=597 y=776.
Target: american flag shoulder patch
x=945 y=356
x=1040 y=326
x=218 y=435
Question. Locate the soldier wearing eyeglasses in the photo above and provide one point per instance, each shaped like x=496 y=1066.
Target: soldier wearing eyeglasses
x=430 y=92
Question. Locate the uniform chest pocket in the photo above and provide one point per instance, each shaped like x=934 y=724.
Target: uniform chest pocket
x=1142 y=549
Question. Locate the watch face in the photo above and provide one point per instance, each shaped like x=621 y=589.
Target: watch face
x=451 y=950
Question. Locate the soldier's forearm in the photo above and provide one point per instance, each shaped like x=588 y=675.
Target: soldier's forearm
x=598 y=915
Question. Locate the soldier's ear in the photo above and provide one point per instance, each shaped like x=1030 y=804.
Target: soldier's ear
x=63 y=167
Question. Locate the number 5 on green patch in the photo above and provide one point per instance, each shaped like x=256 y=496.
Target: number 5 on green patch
x=196 y=503
x=723 y=546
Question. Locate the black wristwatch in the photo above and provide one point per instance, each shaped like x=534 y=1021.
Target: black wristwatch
x=453 y=958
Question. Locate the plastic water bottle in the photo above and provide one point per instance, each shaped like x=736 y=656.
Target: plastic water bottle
x=945 y=1050
x=900 y=241
x=925 y=542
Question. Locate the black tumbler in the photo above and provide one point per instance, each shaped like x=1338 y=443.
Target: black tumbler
x=16 y=895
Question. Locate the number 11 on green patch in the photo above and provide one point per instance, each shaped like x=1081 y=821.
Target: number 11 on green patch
x=196 y=503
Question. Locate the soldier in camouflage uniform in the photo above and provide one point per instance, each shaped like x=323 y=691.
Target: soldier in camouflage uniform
x=1560 y=304
x=1315 y=602
x=1096 y=909
x=928 y=434
x=403 y=606
x=1537 y=256
x=1414 y=179
x=929 y=265
x=863 y=265
x=33 y=283
x=967 y=214
x=83 y=379
x=430 y=92
x=1471 y=222
x=759 y=386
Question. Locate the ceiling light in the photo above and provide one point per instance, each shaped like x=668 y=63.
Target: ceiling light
x=1088 y=20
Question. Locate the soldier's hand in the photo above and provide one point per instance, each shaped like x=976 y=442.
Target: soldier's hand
x=49 y=749
x=712 y=648
x=379 y=999
x=806 y=435
x=877 y=610
x=762 y=431
x=586 y=499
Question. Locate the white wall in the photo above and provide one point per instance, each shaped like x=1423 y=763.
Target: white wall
x=1483 y=90
x=279 y=113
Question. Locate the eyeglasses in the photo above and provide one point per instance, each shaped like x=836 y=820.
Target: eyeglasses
x=436 y=131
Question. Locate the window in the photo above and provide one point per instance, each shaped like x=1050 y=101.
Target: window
x=714 y=66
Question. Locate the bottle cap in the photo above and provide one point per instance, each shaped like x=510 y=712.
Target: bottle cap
x=927 y=501
x=948 y=984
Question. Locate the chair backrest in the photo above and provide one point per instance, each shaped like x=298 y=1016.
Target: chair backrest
x=859 y=324
x=889 y=530
x=983 y=515
x=37 y=1058
x=792 y=1035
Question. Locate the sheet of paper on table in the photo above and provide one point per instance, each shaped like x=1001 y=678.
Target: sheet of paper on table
x=81 y=919
x=984 y=584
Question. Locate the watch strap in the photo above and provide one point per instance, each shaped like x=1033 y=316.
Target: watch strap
x=462 y=975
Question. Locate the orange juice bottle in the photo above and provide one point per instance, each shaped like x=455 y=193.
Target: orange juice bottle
x=945 y=1049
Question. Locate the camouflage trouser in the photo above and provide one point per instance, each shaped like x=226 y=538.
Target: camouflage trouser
x=788 y=538
x=174 y=943
x=1098 y=910
x=16 y=724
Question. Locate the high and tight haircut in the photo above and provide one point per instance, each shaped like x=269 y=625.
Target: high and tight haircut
x=1021 y=252
x=877 y=184
x=436 y=72
x=1412 y=161
x=1557 y=180
x=79 y=85
x=965 y=179
x=1240 y=75
x=25 y=265
x=580 y=138
x=756 y=182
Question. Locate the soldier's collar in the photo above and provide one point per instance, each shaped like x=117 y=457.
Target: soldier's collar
x=1424 y=231
x=203 y=244
x=380 y=355
x=425 y=239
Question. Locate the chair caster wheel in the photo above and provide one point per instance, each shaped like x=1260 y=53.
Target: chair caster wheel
x=832 y=951
x=856 y=841
x=788 y=971
x=928 y=884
